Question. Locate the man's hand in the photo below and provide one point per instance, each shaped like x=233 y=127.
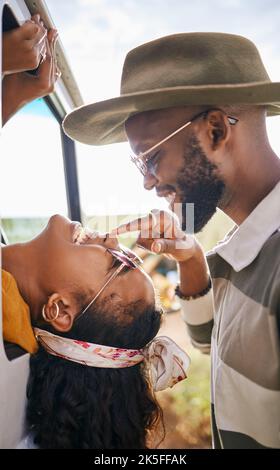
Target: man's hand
x=24 y=47
x=21 y=88
x=160 y=232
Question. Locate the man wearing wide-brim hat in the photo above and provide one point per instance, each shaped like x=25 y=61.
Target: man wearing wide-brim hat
x=193 y=107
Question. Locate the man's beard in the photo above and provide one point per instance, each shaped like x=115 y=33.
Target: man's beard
x=198 y=184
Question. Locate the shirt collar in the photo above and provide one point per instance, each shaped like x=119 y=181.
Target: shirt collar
x=243 y=243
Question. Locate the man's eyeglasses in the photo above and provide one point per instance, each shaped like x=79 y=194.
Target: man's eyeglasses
x=128 y=259
x=142 y=159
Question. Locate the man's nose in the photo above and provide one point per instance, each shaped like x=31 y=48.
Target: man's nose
x=149 y=181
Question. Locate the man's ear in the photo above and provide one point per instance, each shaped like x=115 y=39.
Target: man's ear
x=60 y=312
x=218 y=129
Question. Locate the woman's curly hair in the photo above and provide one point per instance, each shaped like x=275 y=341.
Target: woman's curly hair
x=72 y=406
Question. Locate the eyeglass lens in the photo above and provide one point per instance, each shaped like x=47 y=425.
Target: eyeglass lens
x=127 y=257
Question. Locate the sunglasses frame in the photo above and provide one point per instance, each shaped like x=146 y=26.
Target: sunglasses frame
x=124 y=256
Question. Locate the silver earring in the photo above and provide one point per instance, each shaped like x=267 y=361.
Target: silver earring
x=52 y=319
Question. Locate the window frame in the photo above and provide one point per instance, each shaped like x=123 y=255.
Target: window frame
x=14 y=373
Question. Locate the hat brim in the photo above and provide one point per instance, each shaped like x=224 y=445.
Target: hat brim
x=102 y=123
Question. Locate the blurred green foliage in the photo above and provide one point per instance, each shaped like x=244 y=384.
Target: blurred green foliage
x=192 y=396
x=23 y=229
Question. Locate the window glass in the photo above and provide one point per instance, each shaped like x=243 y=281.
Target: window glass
x=32 y=176
x=111 y=187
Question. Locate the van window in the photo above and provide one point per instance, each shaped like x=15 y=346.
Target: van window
x=111 y=190
x=32 y=176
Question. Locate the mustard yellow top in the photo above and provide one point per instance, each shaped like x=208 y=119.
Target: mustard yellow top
x=16 y=316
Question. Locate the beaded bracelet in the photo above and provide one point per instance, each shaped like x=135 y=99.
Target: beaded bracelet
x=195 y=296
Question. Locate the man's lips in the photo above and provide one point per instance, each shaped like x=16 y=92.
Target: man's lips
x=165 y=193
x=170 y=196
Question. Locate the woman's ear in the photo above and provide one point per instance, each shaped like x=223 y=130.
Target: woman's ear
x=60 y=311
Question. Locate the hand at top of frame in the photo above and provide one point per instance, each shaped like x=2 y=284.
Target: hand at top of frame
x=21 y=88
x=24 y=47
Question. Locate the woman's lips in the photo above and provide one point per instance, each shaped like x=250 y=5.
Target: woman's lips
x=76 y=230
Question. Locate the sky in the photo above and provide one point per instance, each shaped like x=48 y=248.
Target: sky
x=96 y=35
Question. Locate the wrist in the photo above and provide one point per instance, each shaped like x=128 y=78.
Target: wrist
x=194 y=274
x=196 y=295
x=12 y=99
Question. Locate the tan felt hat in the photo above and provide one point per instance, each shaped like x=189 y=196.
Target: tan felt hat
x=178 y=70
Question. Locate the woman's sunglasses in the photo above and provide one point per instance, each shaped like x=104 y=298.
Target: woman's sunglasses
x=127 y=259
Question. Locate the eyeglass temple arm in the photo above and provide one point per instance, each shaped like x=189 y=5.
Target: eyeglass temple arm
x=163 y=140
x=232 y=120
x=120 y=268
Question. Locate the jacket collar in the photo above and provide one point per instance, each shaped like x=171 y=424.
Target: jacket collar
x=243 y=243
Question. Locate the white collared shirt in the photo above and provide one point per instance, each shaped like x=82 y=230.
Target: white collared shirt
x=239 y=321
x=243 y=243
